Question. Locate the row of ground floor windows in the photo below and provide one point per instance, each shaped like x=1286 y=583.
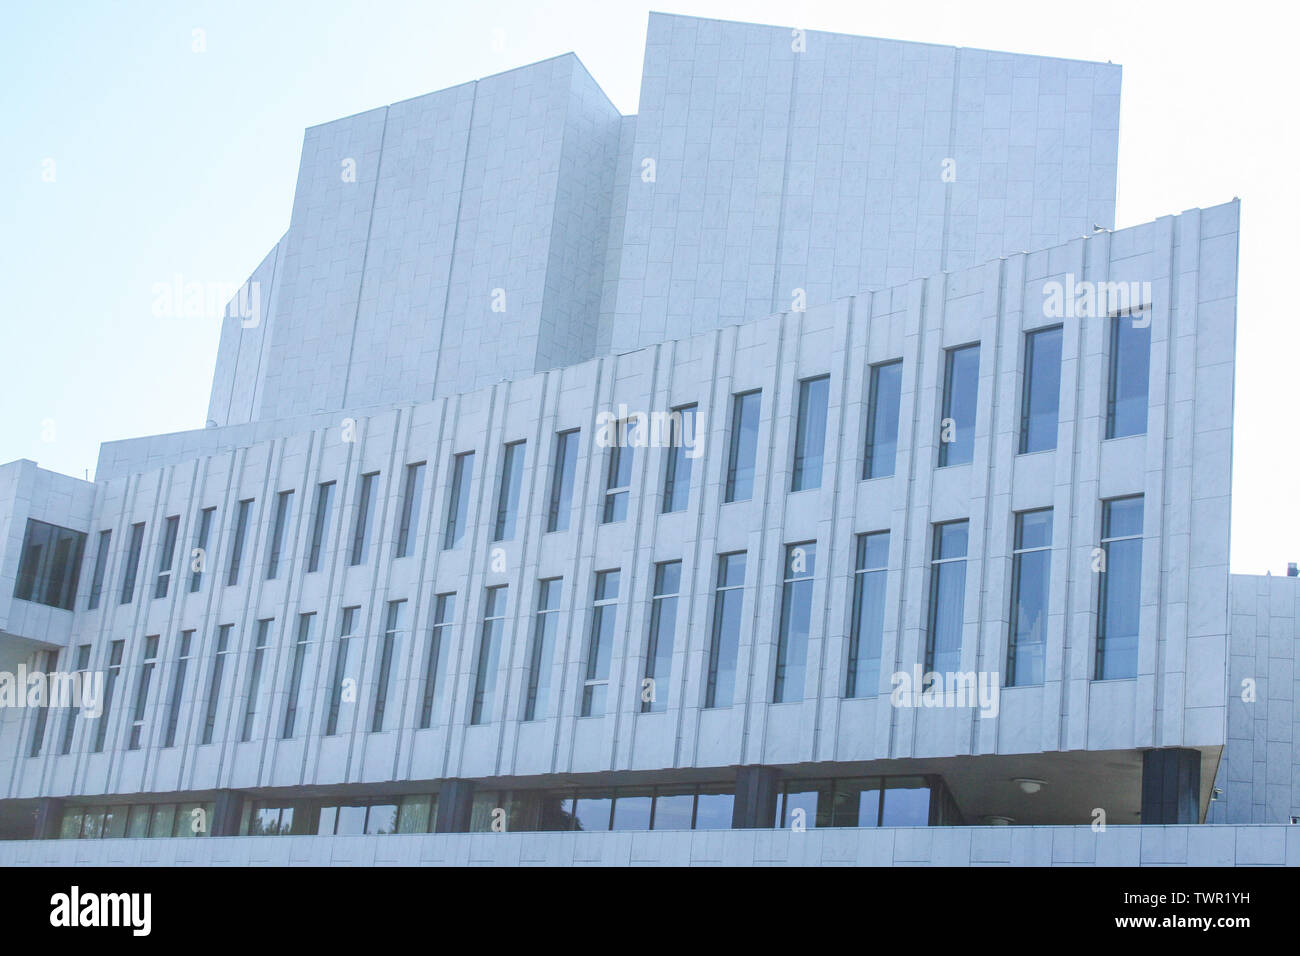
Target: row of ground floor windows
x=800 y=804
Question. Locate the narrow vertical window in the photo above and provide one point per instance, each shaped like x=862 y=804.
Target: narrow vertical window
x=724 y=642
x=199 y=554
x=1041 y=402
x=320 y=529
x=45 y=663
x=600 y=643
x=283 y=508
x=70 y=722
x=340 y=709
x=683 y=449
x=214 y=681
x=742 y=447
x=796 y=619
x=101 y=564
x=148 y=661
x=110 y=684
x=1120 y=595
x=297 y=664
x=462 y=475
x=240 y=532
x=132 y=562
x=408 y=520
x=540 y=653
x=883 y=401
x=1031 y=565
x=365 y=511
x=512 y=477
x=1130 y=372
x=444 y=612
x=562 y=475
x=947 y=597
x=166 y=556
x=868 y=624
x=178 y=688
x=618 y=475
x=960 y=396
x=663 y=625
x=260 y=646
x=810 y=434
x=489 y=654
x=394 y=625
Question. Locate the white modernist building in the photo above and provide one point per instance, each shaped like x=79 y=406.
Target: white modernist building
x=805 y=452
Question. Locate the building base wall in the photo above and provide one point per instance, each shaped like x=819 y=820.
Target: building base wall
x=1204 y=845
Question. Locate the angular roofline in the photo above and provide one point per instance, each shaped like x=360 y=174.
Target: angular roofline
x=861 y=36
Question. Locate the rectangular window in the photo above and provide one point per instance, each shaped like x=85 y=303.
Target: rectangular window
x=260 y=647
x=199 y=555
x=1040 y=405
x=796 y=620
x=147 y=664
x=1130 y=373
x=50 y=564
x=132 y=567
x=683 y=448
x=724 y=642
x=489 y=654
x=663 y=626
x=562 y=475
x=408 y=521
x=45 y=663
x=298 y=664
x=240 y=532
x=618 y=475
x=549 y=593
x=110 y=683
x=101 y=565
x=883 y=401
x=1120 y=595
x=214 y=682
x=600 y=643
x=462 y=475
x=394 y=626
x=70 y=722
x=178 y=688
x=855 y=802
x=444 y=612
x=320 y=530
x=868 y=625
x=810 y=434
x=341 y=710
x=947 y=597
x=742 y=447
x=512 y=477
x=365 y=511
x=283 y=507
x=166 y=557
x=961 y=377
x=1031 y=566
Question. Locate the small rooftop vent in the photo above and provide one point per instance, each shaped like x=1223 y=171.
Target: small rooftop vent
x=1293 y=570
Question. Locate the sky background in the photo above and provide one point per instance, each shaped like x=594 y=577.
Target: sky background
x=169 y=162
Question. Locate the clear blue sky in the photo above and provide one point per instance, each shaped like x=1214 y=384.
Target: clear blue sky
x=169 y=162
